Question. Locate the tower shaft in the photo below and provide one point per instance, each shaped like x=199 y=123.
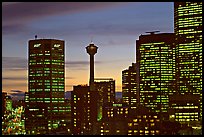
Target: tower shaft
x=91 y=50
x=91 y=80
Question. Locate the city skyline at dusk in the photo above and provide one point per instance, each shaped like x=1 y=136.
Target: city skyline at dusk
x=113 y=27
x=87 y=68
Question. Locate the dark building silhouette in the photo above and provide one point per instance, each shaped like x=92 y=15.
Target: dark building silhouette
x=112 y=127
x=184 y=108
x=80 y=109
x=155 y=57
x=106 y=89
x=18 y=103
x=85 y=102
x=170 y=127
x=124 y=119
x=188 y=31
x=94 y=97
x=129 y=91
x=3 y=101
x=142 y=121
x=114 y=119
x=46 y=106
x=106 y=93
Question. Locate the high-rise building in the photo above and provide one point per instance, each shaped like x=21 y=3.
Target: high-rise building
x=106 y=91
x=81 y=110
x=188 y=31
x=46 y=105
x=129 y=93
x=114 y=119
x=155 y=57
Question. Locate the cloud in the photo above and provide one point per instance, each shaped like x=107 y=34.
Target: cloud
x=14 y=28
x=24 y=78
x=77 y=62
x=14 y=78
x=14 y=63
x=18 y=63
x=114 y=33
x=120 y=29
x=15 y=16
x=79 y=65
x=16 y=94
x=16 y=91
x=80 y=62
x=96 y=28
x=10 y=84
x=16 y=20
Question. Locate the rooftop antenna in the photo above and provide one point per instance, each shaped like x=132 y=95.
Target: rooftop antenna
x=36 y=36
x=152 y=32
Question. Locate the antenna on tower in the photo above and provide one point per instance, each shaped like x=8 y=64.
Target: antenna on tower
x=91 y=39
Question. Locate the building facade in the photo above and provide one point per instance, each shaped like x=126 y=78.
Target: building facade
x=155 y=57
x=188 y=31
x=184 y=108
x=106 y=91
x=142 y=121
x=114 y=119
x=84 y=111
x=46 y=105
x=129 y=92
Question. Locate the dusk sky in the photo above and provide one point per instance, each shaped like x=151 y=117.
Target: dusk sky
x=112 y=26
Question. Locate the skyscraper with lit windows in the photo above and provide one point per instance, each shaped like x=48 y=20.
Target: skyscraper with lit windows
x=46 y=105
x=188 y=31
x=156 y=62
x=129 y=92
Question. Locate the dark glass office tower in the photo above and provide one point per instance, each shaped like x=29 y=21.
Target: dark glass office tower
x=156 y=61
x=46 y=106
x=188 y=31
